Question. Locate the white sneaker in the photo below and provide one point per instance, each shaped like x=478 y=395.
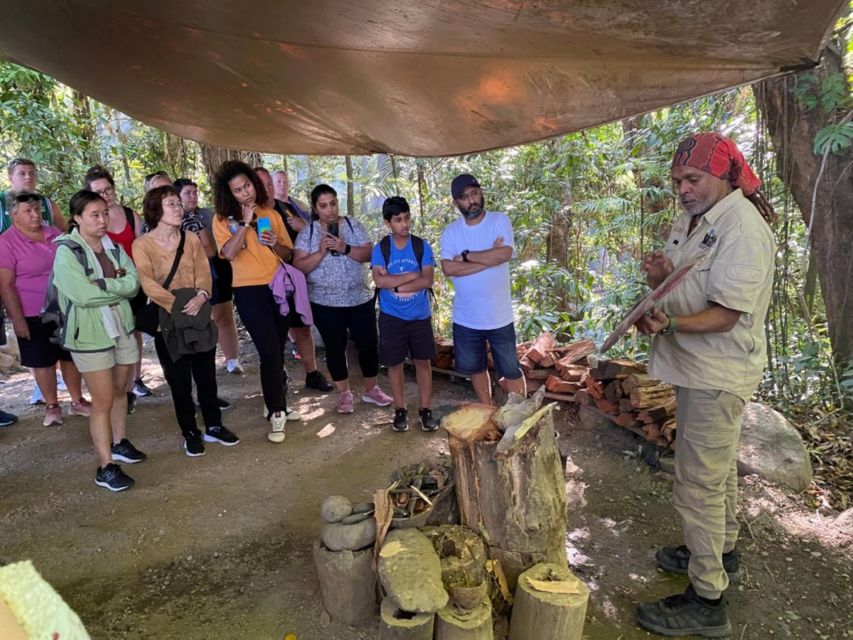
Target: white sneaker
x=277 y=423
x=233 y=366
x=60 y=383
x=293 y=415
x=36 y=397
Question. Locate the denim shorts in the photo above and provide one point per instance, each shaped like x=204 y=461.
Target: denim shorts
x=469 y=350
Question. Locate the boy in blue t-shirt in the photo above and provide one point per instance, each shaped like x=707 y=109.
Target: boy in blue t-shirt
x=403 y=268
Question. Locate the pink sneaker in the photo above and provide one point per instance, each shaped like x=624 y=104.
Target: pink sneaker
x=345 y=401
x=52 y=415
x=82 y=408
x=377 y=396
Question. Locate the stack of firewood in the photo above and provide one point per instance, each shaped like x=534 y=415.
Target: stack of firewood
x=629 y=397
x=559 y=368
x=444 y=354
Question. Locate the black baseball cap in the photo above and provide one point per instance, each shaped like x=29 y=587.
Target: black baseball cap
x=462 y=182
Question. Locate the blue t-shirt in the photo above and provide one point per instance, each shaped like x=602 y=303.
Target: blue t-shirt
x=406 y=306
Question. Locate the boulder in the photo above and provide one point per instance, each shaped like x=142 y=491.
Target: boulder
x=410 y=572
x=335 y=509
x=772 y=448
x=350 y=537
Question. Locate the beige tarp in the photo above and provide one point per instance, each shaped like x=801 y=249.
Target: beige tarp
x=414 y=77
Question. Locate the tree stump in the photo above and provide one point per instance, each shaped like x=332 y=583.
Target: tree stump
x=512 y=492
x=550 y=604
x=396 y=624
x=452 y=623
x=348 y=583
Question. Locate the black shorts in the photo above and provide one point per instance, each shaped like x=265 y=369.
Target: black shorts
x=223 y=290
x=39 y=352
x=293 y=317
x=399 y=338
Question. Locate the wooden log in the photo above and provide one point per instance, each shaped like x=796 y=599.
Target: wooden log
x=526 y=365
x=626 y=420
x=646 y=399
x=613 y=391
x=515 y=499
x=651 y=431
x=540 y=374
x=533 y=385
x=582 y=397
x=540 y=348
x=660 y=412
x=606 y=405
x=634 y=381
x=625 y=405
x=347 y=582
x=396 y=624
x=444 y=353
x=561 y=397
x=616 y=369
x=667 y=429
x=471 y=423
x=550 y=604
x=577 y=351
x=558 y=385
x=452 y=623
x=595 y=388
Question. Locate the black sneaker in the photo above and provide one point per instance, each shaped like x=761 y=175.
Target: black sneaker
x=685 y=614
x=676 y=559
x=193 y=445
x=316 y=380
x=126 y=452
x=221 y=435
x=401 y=420
x=113 y=478
x=428 y=423
x=7 y=419
x=131 y=402
x=139 y=389
x=224 y=405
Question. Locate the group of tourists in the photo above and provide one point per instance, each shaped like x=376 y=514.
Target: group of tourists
x=80 y=290
x=288 y=266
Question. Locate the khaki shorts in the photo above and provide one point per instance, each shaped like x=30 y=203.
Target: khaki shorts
x=126 y=351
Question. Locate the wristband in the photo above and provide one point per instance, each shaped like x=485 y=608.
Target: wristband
x=670 y=327
x=396 y=289
x=347 y=249
x=242 y=223
x=204 y=293
x=464 y=255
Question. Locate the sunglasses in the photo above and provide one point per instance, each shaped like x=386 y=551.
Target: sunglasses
x=27 y=197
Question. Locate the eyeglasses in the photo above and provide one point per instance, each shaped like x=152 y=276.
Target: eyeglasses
x=106 y=190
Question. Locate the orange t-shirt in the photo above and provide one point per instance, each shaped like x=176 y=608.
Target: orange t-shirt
x=256 y=263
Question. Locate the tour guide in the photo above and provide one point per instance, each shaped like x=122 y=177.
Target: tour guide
x=709 y=343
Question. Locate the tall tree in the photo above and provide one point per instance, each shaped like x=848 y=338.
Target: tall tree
x=212 y=157
x=801 y=109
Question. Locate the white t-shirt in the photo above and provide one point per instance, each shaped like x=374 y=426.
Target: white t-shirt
x=482 y=300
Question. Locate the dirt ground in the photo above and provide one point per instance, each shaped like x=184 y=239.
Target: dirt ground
x=219 y=547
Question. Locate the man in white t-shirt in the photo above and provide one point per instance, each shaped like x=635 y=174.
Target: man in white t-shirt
x=475 y=254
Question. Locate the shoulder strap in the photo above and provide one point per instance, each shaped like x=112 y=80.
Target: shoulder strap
x=177 y=261
x=349 y=224
x=79 y=253
x=131 y=221
x=385 y=248
x=418 y=249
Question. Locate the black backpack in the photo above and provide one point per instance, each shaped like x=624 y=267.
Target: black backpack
x=417 y=249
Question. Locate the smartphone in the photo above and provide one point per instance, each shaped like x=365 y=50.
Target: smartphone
x=263 y=225
x=333 y=230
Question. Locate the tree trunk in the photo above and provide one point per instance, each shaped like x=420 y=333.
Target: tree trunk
x=350 y=187
x=550 y=604
x=212 y=157
x=793 y=129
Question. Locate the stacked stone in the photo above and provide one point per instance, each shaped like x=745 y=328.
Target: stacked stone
x=344 y=560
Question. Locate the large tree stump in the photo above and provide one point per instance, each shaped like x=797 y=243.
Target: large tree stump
x=512 y=493
x=550 y=604
x=396 y=624
x=348 y=583
x=452 y=623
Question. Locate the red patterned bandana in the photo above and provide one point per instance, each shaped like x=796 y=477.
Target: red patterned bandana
x=719 y=156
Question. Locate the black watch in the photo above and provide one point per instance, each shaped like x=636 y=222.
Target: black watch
x=464 y=255
x=396 y=289
x=347 y=249
x=242 y=223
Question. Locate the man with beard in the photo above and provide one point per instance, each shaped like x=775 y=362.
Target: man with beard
x=710 y=345
x=475 y=254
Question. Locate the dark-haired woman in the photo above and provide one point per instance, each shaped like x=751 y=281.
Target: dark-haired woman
x=95 y=283
x=123 y=227
x=155 y=254
x=253 y=239
x=333 y=252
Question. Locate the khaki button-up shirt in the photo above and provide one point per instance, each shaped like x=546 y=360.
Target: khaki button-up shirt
x=737 y=273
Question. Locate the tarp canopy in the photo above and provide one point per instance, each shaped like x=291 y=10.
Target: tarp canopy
x=413 y=77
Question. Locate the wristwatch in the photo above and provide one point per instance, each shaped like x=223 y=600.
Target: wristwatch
x=669 y=329
x=464 y=255
x=396 y=289
x=347 y=249
x=242 y=223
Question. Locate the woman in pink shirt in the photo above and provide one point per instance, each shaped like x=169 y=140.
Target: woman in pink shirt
x=26 y=258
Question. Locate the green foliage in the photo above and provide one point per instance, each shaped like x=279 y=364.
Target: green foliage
x=834 y=138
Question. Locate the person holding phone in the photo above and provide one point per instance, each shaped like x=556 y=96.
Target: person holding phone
x=333 y=252
x=253 y=239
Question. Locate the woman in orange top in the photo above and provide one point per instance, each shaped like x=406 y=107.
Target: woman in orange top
x=253 y=239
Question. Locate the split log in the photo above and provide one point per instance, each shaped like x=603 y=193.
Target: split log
x=512 y=493
x=667 y=429
x=452 y=623
x=616 y=369
x=606 y=405
x=396 y=624
x=625 y=406
x=444 y=353
x=550 y=604
x=637 y=380
x=540 y=374
x=651 y=431
x=558 y=385
x=533 y=385
x=582 y=397
x=526 y=365
x=660 y=412
x=571 y=372
x=646 y=398
x=576 y=352
x=347 y=582
x=613 y=391
x=561 y=397
x=541 y=347
x=626 y=420
x=595 y=388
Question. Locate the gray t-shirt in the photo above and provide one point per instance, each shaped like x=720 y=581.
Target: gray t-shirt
x=338 y=281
